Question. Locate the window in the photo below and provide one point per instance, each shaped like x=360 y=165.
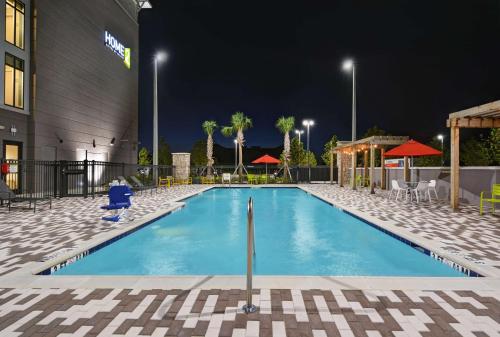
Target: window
x=14 y=81
x=14 y=22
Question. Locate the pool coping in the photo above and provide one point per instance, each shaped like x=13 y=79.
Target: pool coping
x=27 y=276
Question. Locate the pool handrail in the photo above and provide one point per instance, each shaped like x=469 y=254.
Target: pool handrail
x=249 y=307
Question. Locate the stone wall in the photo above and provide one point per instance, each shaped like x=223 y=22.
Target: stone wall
x=181 y=162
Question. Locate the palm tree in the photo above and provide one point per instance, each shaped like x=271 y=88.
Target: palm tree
x=209 y=128
x=239 y=123
x=285 y=125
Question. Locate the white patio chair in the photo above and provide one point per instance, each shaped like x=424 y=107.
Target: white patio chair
x=226 y=177
x=432 y=187
x=421 y=190
x=397 y=189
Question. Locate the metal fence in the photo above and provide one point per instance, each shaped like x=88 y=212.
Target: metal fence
x=299 y=174
x=41 y=179
x=56 y=179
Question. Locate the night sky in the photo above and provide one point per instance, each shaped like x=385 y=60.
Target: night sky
x=417 y=61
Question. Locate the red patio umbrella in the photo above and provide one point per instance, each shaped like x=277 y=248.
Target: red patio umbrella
x=266 y=159
x=412 y=148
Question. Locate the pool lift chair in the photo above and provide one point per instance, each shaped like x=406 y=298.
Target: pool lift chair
x=119 y=203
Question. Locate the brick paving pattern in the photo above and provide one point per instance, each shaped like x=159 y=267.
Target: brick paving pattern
x=26 y=237
x=126 y=312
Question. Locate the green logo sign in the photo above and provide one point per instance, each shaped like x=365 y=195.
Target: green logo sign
x=126 y=58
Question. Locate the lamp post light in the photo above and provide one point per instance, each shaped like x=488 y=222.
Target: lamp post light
x=349 y=65
x=299 y=133
x=441 y=138
x=308 y=123
x=235 y=141
x=159 y=57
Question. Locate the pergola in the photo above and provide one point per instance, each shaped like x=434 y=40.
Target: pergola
x=346 y=149
x=482 y=116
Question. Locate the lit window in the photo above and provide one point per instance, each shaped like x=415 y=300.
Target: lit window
x=14 y=22
x=14 y=81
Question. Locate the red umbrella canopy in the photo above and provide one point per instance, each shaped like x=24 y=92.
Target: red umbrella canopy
x=412 y=148
x=266 y=159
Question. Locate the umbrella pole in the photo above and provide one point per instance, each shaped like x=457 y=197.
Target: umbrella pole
x=266 y=173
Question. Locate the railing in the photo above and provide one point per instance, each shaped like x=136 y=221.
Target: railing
x=85 y=178
x=300 y=174
x=249 y=307
x=39 y=179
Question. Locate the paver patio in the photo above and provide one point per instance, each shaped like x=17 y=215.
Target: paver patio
x=26 y=237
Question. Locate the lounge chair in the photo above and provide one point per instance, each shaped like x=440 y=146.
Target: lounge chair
x=119 y=202
x=493 y=199
x=6 y=194
x=139 y=186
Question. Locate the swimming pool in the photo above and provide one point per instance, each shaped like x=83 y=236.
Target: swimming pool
x=295 y=234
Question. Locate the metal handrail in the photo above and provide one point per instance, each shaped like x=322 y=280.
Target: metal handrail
x=249 y=307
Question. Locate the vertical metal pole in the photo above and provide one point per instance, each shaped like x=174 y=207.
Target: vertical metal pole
x=307 y=154
x=353 y=102
x=249 y=307
x=155 y=120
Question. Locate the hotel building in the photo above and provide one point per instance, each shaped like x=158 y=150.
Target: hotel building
x=69 y=81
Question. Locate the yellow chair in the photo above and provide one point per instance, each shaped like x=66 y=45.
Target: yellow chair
x=164 y=182
x=495 y=197
x=208 y=180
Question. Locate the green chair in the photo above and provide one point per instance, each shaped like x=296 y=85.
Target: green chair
x=262 y=179
x=495 y=197
x=252 y=179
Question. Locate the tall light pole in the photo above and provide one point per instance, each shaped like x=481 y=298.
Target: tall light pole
x=235 y=141
x=159 y=57
x=348 y=65
x=441 y=138
x=299 y=132
x=308 y=123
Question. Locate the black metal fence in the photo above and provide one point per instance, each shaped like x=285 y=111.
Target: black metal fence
x=55 y=179
x=85 y=178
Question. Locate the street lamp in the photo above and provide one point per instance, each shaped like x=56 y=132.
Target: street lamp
x=235 y=141
x=308 y=123
x=159 y=57
x=348 y=65
x=299 y=132
x=441 y=138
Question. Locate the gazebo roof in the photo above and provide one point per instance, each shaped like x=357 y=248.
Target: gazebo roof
x=481 y=116
x=373 y=140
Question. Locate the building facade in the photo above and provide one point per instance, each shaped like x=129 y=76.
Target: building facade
x=69 y=88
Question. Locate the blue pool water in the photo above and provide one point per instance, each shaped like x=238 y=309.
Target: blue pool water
x=295 y=234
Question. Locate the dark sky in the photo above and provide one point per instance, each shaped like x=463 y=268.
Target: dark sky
x=417 y=61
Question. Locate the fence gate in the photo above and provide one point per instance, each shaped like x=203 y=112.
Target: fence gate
x=73 y=178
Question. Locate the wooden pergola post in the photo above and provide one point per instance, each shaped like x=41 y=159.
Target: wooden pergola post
x=353 y=168
x=341 y=169
x=331 y=166
x=382 y=168
x=406 y=169
x=455 y=165
x=365 y=162
x=372 y=169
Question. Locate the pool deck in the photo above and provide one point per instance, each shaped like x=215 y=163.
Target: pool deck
x=33 y=305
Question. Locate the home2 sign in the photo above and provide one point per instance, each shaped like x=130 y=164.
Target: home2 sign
x=117 y=47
